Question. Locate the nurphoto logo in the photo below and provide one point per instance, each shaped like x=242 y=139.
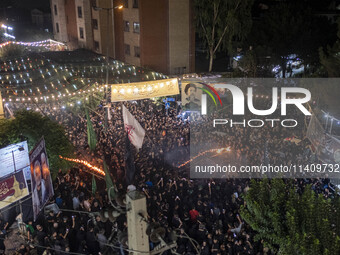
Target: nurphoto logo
x=238 y=105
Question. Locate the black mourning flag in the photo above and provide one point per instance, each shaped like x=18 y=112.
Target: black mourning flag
x=129 y=162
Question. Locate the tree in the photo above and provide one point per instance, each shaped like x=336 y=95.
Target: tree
x=331 y=59
x=11 y=51
x=31 y=126
x=290 y=29
x=219 y=22
x=32 y=34
x=290 y=222
x=248 y=64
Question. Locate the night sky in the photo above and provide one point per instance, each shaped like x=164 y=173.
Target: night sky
x=25 y=4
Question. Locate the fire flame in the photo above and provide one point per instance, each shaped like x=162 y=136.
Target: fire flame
x=85 y=163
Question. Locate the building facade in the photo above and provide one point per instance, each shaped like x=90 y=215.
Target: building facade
x=155 y=34
x=59 y=20
x=42 y=19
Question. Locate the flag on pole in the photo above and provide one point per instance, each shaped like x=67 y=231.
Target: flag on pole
x=91 y=135
x=129 y=162
x=94 y=185
x=135 y=131
x=109 y=183
x=108 y=108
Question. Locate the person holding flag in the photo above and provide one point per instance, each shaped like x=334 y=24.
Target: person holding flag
x=135 y=135
x=135 y=131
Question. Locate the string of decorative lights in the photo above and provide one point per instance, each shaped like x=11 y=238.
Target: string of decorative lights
x=10 y=78
x=74 y=74
x=45 y=43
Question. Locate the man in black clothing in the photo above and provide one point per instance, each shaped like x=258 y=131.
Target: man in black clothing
x=91 y=243
x=41 y=238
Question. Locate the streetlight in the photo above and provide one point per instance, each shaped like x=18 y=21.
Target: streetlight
x=20 y=149
x=96 y=8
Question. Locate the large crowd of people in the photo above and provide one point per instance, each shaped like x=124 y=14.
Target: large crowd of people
x=204 y=213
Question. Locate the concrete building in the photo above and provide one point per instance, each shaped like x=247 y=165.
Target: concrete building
x=84 y=27
x=103 y=13
x=71 y=24
x=42 y=19
x=59 y=20
x=156 y=34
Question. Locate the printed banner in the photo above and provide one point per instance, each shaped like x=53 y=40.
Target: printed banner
x=12 y=189
x=191 y=96
x=143 y=90
x=13 y=158
x=42 y=187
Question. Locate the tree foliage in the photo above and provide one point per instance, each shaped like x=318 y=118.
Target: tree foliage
x=11 y=51
x=292 y=223
x=31 y=126
x=331 y=59
x=287 y=29
x=219 y=22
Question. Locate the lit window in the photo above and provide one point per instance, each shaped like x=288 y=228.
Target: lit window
x=126 y=26
x=136 y=27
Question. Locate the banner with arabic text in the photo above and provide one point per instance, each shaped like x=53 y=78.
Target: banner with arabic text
x=12 y=188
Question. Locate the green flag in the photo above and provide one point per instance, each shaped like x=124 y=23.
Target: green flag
x=109 y=183
x=91 y=135
x=94 y=185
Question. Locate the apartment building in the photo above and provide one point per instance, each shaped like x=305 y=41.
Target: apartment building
x=59 y=20
x=156 y=34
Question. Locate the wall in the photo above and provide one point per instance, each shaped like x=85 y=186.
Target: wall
x=71 y=24
x=133 y=39
x=154 y=34
x=60 y=18
x=119 y=32
x=179 y=36
x=86 y=23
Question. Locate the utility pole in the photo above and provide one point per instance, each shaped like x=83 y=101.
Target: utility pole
x=136 y=220
x=107 y=48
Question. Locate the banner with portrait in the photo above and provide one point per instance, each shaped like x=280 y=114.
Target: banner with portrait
x=12 y=188
x=143 y=90
x=191 y=96
x=42 y=187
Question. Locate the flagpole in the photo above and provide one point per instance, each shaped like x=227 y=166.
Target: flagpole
x=90 y=172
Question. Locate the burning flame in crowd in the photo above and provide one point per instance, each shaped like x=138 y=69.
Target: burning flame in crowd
x=219 y=150
x=85 y=163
